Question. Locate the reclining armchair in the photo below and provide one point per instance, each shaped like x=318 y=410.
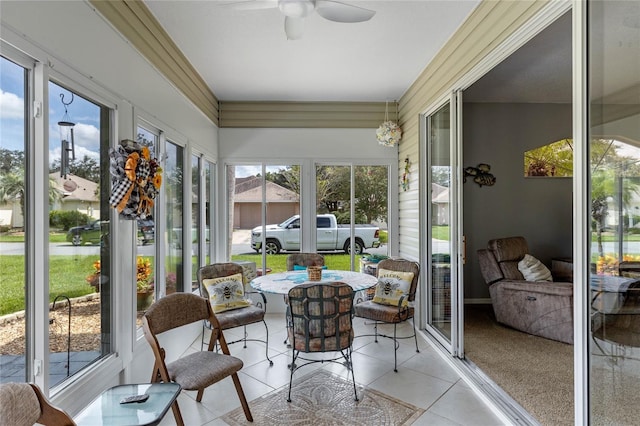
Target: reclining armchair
x=541 y=308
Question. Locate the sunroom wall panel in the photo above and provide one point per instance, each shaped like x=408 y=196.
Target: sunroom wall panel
x=489 y=24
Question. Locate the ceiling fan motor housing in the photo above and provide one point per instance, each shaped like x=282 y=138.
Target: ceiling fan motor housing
x=296 y=8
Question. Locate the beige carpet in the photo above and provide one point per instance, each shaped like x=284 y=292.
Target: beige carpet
x=321 y=398
x=535 y=372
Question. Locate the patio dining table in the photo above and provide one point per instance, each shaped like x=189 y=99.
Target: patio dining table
x=282 y=282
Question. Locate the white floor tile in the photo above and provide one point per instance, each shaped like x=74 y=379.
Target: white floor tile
x=461 y=405
x=423 y=379
x=411 y=386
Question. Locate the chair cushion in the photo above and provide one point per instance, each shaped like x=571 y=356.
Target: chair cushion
x=201 y=369
x=392 y=285
x=534 y=270
x=238 y=317
x=384 y=313
x=226 y=293
x=20 y=405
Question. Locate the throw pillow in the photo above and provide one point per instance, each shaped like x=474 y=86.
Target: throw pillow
x=226 y=293
x=392 y=285
x=533 y=270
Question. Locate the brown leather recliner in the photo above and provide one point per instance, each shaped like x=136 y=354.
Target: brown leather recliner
x=540 y=308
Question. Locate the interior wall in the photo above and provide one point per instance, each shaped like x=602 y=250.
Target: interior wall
x=539 y=209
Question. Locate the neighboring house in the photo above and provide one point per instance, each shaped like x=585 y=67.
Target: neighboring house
x=77 y=194
x=10 y=215
x=281 y=203
x=439 y=204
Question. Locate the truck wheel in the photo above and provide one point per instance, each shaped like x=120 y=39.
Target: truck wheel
x=272 y=247
x=359 y=247
x=76 y=240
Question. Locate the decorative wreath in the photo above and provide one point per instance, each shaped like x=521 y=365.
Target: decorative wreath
x=389 y=133
x=136 y=178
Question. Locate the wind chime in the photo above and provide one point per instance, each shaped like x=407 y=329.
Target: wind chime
x=66 y=137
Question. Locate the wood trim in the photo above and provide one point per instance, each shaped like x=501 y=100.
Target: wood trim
x=138 y=25
x=304 y=114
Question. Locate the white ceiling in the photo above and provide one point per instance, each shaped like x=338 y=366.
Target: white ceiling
x=244 y=55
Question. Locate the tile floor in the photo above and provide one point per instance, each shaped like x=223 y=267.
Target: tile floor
x=423 y=379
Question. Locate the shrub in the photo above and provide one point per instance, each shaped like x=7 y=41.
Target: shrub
x=65 y=219
x=343 y=218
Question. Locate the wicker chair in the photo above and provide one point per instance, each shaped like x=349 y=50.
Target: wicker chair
x=320 y=318
x=388 y=314
x=23 y=404
x=197 y=370
x=304 y=260
x=241 y=317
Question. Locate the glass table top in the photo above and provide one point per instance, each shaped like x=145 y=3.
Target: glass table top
x=107 y=410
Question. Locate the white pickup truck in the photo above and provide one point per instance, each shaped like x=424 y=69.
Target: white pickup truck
x=330 y=236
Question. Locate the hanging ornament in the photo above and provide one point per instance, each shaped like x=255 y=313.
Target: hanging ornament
x=389 y=133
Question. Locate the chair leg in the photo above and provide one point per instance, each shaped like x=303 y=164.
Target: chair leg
x=349 y=358
x=415 y=334
x=266 y=343
x=243 y=399
x=176 y=413
x=292 y=368
x=395 y=350
x=375 y=331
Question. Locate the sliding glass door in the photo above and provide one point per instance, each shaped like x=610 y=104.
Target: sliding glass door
x=614 y=145
x=442 y=205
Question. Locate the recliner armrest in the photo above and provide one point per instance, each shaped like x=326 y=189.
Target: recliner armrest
x=489 y=267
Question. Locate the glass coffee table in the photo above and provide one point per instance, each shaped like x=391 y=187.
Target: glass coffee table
x=107 y=410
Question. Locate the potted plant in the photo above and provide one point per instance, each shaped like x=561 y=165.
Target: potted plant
x=144 y=283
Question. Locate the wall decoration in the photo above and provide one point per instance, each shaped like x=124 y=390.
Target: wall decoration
x=136 y=177
x=480 y=175
x=405 y=175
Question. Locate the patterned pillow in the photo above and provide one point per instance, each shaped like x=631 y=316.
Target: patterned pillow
x=533 y=270
x=392 y=285
x=226 y=293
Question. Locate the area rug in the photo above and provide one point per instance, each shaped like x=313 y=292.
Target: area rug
x=321 y=398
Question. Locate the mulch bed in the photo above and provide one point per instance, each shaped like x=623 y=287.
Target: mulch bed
x=85 y=329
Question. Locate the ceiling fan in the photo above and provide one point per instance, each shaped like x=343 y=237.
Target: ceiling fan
x=295 y=12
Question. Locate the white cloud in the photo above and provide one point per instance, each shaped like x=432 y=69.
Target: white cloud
x=87 y=136
x=11 y=105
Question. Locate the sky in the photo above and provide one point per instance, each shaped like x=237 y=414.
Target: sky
x=85 y=114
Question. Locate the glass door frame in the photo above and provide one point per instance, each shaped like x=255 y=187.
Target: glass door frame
x=455 y=345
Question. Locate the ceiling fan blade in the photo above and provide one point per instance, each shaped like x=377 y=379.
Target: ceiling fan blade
x=293 y=27
x=341 y=12
x=250 y=4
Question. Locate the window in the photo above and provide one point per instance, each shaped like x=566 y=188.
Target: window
x=13 y=197
x=173 y=171
x=147 y=285
x=79 y=239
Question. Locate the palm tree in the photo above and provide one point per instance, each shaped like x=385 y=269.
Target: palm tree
x=12 y=188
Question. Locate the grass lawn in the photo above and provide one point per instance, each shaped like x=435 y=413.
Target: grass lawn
x=18 y=237
x=67 y=277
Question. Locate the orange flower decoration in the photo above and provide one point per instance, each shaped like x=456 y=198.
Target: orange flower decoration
x=145 y=153
x=157 y=181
